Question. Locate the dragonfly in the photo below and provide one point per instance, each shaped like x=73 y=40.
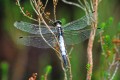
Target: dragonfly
x=69 y=34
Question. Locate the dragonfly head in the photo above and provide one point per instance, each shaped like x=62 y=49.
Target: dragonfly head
x=58 y=22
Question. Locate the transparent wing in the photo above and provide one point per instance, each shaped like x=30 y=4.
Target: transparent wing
x=32 y=28
x=37 y=41
x=76 y=37
x=78 y=24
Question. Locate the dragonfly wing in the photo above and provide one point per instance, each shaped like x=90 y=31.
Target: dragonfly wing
x=76 y=37
x=32 y=28
x=77 y=24
x=37 y=41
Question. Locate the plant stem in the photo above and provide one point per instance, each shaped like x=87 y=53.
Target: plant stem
x=116 y=69
x=91 y=40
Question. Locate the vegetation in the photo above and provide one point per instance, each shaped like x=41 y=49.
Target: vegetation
x=95 y=59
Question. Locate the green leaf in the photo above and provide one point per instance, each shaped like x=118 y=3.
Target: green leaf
x=102 y=25
x=110 y=21
x=42 y=77
x=4 y=66
x=108 y=40
x=48 y=69
x=88 y=66
x=108 y=46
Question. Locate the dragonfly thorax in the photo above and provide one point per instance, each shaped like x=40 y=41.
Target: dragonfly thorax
x=59 y=30
x=57 y=24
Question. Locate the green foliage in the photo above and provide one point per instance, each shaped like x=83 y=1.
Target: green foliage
x=110 y=20
x=107 y=43
x=107 y=24
x=88 y=66
x=102 y=25
x=48 y=69
x=4 y=66
x=108 y=48
x=42 y=77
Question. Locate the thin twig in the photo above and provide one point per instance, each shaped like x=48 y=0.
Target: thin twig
x=43 y=36
x=69 y=68
x=81 y=3
x=88 y=12
x=110 y=66
x=64 y=70
x=37 y=11
x=117 y=63
x=75 y=4
x=37 y=7
x=91 y=40
x=102 y=43
x=116 y=69
x=41 y=18
x=31 y=2
x=55 y=4
x=71 y=49
x=18 y=3
x=46 y=3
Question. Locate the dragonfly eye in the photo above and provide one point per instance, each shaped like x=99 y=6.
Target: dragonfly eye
x=57 y=22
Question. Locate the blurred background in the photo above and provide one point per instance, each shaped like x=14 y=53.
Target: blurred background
x=18 y=62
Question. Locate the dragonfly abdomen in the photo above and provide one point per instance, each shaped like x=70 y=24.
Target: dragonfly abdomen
x=62 y=45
